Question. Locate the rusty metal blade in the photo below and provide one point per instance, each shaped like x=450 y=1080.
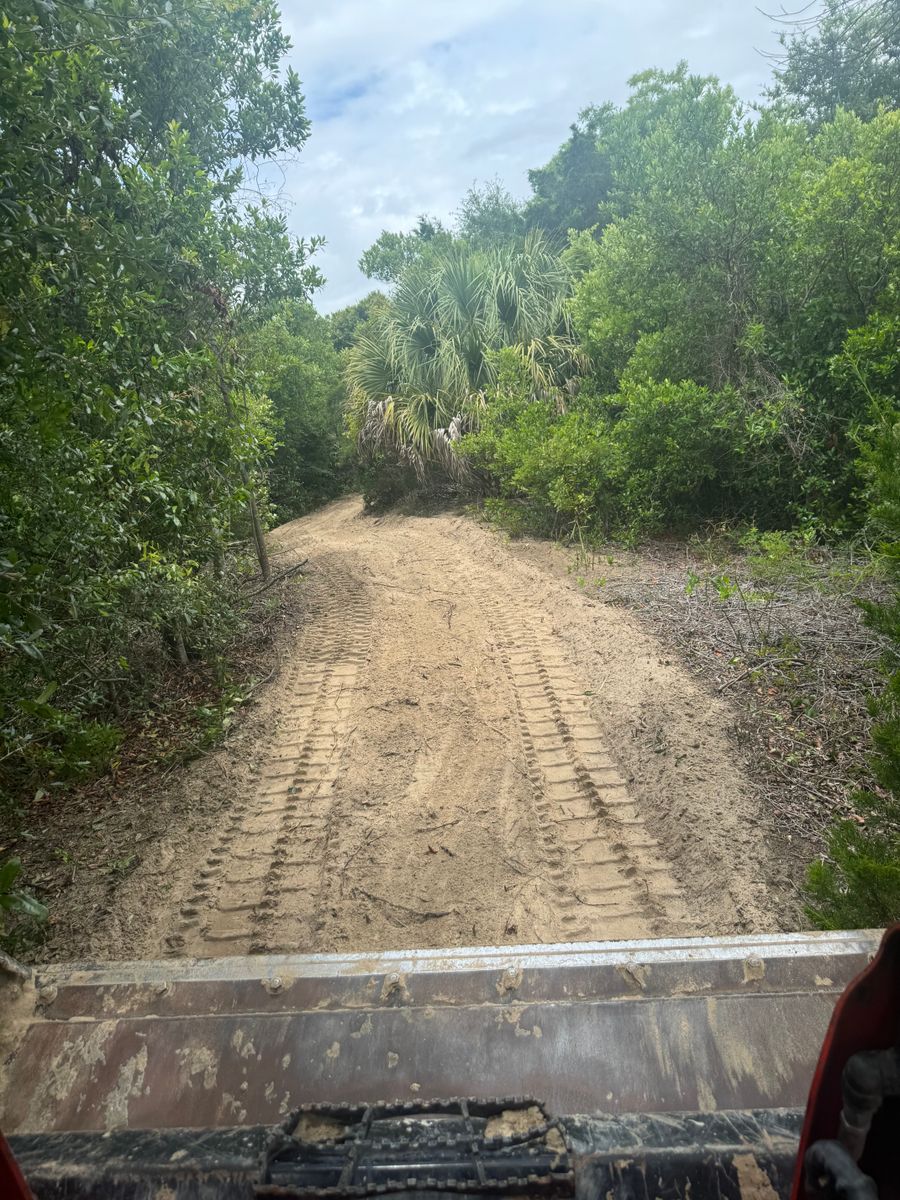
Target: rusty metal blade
x=650 y=1026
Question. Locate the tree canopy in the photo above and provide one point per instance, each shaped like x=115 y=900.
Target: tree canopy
x=133 y=434
x=846 y=55
x=390 y=255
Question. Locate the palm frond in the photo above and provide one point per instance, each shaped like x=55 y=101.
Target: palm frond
x=417 y=382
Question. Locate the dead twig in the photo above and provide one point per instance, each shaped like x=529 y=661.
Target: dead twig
x=420 y=913
x=367 y=841
x=276 y=579
x=265 y=679
x=433 y=828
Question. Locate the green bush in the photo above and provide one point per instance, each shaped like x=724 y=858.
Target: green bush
x=654 y=455
x=549 y=455
x=691 y=454
x=859 y=888
x=518 y=517
x=859 y=883
x=300 y=371
x=385 y=479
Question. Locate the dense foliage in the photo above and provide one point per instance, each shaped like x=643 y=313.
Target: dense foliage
x=137 y=287
x=860 y=884
x=729 y=257
x=296 y=364
x=419 y=375
x=746 y=275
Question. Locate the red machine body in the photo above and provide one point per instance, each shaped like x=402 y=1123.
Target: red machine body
x=866 y=1018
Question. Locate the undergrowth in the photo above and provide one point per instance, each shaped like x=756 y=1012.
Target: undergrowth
x=178 y=712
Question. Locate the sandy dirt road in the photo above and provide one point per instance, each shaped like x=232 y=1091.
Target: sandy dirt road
x=461 y=749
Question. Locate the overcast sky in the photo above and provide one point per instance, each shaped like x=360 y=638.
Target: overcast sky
x=411 y=102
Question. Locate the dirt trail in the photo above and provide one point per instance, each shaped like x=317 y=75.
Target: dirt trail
x=460 y=749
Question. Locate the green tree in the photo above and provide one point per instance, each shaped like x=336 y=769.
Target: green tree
x=347 y=322
x=131 y=268
x=676 y=278
x=417 y=382
x=597 y=174
x=858 y=885
x=844 y=55
x=490 y=216
x=299 y=370
x=569 y=190
x=391 y=253
x=743 y=253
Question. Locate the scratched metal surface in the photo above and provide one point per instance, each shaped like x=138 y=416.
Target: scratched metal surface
x=654 y=1026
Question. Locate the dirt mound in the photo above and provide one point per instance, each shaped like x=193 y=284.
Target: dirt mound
x=459 y=749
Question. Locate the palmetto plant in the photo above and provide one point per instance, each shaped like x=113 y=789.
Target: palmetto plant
x=418 y=382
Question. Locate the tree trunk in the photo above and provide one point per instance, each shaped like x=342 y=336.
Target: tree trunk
x=256 y=525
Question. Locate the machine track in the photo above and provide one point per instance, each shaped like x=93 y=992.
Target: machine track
x=605 y=870
x=259 y=888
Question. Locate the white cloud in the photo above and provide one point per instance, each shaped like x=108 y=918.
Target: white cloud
x=413 y=102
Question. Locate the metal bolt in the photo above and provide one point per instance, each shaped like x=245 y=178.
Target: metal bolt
x=393 y=977
x=274 y=985
x=162 y=989
x=47 y=994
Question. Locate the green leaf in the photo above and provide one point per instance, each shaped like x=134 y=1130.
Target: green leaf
x=9 y=873
x=26 y=905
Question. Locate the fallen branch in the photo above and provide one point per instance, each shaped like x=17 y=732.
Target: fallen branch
x=277 y=579
x=422 y=914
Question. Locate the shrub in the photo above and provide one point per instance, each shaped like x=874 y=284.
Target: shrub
x=652 y=455
x=859 y=884
x=686 y=453
x=549 y=455
x=385 y=479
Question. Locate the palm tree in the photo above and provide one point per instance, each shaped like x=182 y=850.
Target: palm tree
x=419 y=380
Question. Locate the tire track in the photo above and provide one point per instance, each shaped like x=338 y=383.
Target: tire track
x=616 y=886
x=304 y=866
x=260 y=887
x=606 y=873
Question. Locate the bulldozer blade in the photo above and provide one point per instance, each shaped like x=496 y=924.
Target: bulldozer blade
x=657 y=1026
